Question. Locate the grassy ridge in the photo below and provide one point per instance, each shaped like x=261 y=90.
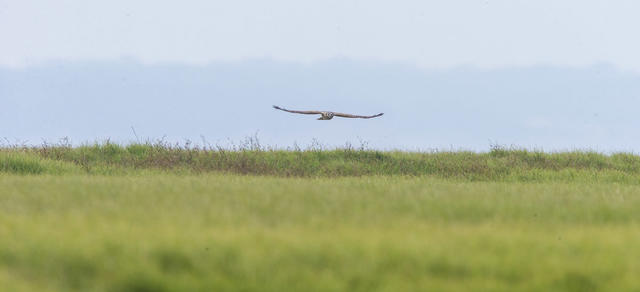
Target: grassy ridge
x=498 y=164
x=154 y=217
x=248 y=233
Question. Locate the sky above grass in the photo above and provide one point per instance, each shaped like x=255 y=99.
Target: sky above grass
x=485 y=33
x=553 y=75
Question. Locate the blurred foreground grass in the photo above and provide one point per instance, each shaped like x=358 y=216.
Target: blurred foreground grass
x=217 y=232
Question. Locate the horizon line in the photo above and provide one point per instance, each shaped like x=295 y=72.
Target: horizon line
x=52 y=62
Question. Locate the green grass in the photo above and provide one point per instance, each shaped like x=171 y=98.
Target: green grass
x=162 y=232
x=16 y=162
x=499 y=164
x=154 y=217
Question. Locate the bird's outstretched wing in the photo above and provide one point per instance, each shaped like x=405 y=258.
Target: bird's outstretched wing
x=298 y=112
x=356 y=116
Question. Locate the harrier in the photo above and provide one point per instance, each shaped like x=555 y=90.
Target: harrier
x=326 y=115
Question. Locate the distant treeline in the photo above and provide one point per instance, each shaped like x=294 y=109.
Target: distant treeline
x=497 y=164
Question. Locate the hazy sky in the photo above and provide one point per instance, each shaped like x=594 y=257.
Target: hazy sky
x=485 y=33
x=551 y=75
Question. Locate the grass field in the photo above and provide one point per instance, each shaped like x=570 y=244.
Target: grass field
x=161 y=219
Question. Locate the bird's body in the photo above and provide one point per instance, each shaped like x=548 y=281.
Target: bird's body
x=327 y=115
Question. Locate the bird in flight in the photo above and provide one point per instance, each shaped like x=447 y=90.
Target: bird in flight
x=326 y=115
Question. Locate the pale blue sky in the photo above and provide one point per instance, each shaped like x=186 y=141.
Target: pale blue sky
x=455 y=74
x=485 y=33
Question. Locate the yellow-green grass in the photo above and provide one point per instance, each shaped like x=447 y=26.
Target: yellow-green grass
x=518 y=165
x=215 y=232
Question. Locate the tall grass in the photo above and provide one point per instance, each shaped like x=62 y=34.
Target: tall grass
x=346 y=219
x=21 y=162
x=251 y=233
x=252 y=158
